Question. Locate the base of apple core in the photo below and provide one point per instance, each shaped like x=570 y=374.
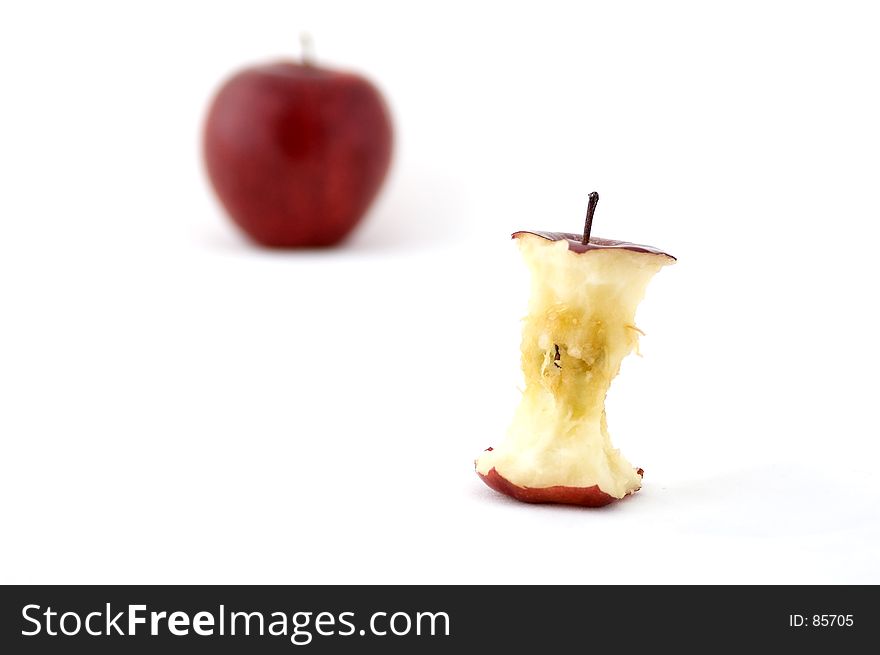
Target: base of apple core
x=581 y=496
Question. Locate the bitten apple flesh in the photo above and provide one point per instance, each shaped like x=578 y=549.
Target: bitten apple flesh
x=580 y=325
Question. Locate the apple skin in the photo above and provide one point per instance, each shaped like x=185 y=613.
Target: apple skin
x=297 y=153
x=582 y=496
x=596 y=243
x=560 y=495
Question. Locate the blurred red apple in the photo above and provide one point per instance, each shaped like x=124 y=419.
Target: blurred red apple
x=297 y=153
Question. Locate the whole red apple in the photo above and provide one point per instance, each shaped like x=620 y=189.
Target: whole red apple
x=296 y=152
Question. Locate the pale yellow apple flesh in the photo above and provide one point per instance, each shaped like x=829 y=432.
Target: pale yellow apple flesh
x=580 y=325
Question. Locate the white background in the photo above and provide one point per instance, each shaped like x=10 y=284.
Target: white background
x=178 y=406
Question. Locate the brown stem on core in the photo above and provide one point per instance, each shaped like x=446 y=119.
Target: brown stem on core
x=591 y=209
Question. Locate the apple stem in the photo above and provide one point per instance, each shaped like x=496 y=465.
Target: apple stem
x=307 y=49
x=591 y=209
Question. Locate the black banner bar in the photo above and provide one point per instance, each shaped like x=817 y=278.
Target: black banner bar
x=415 y=619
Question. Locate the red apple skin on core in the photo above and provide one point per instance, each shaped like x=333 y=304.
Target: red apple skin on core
x=297 y=153
x=576 y=245
x=560 y=495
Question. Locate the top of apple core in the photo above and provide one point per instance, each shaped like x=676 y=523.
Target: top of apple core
x=596 y=243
